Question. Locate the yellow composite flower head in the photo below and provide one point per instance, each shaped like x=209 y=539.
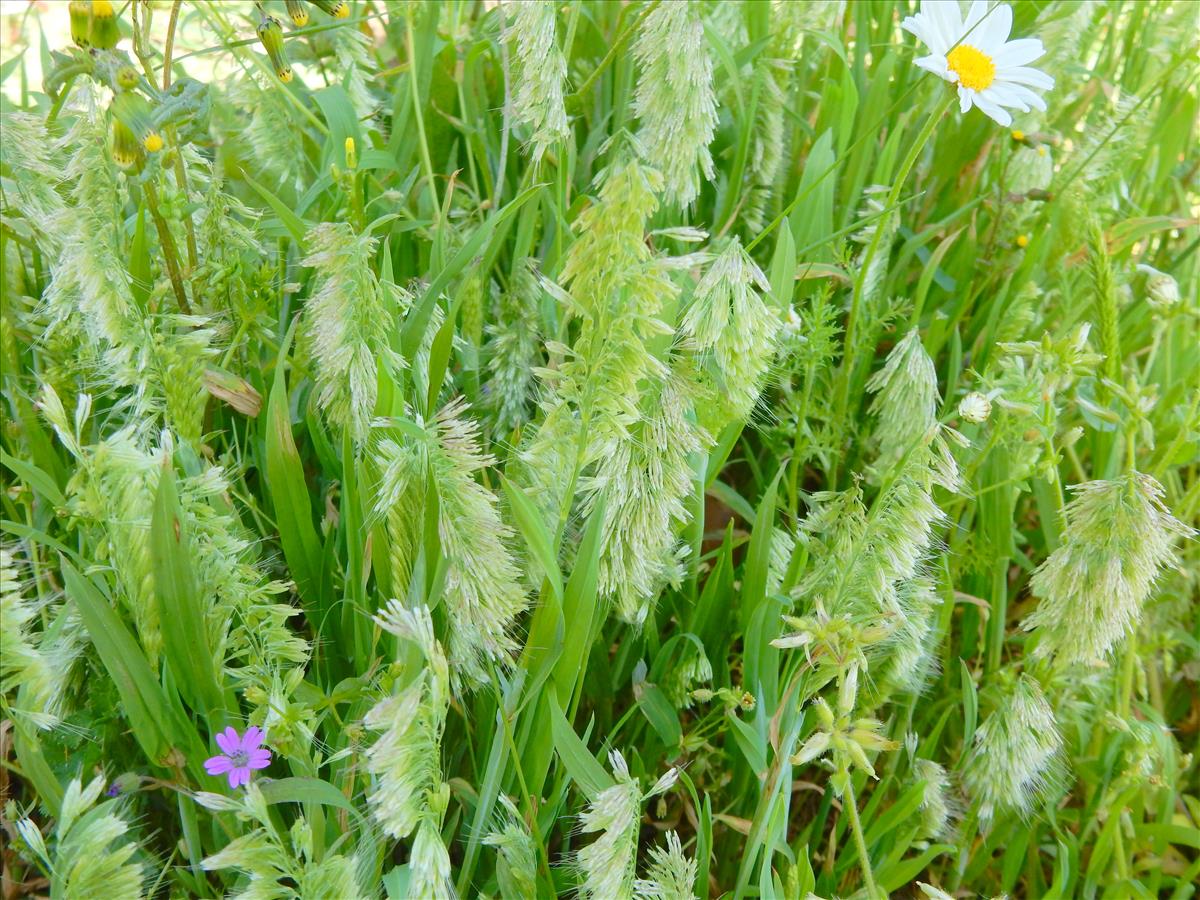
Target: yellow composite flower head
x=991 y=71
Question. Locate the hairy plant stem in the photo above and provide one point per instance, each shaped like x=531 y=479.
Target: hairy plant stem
x=860 y=842
x=170 y=252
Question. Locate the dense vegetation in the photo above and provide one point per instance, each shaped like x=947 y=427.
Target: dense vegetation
x=652 y=449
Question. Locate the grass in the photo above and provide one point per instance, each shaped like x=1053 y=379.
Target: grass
x=644 y=449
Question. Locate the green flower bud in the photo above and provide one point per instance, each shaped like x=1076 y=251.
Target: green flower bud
x=81 y=20
x=127 y=151
x=298 y=12
x=134 y=111
x=127 y=77
x=339 y=9
x=271 y=37
x=104 y=31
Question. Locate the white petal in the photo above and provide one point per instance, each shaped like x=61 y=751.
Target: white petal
x=972 y=31
x=926 y=30
x=947 y=20
x=965 y=96
x=1022 y=96
x=1005 y=95
x=936 y=65
x=1027 y=76
x=1018 y=53
x=996 y=27
x=915 y=25
x=992 y=111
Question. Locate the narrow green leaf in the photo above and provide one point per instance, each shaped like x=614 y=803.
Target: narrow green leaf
x=580 y=764
x=297 y=227
x=288 y=491
x=537 y=537
x=181 y=610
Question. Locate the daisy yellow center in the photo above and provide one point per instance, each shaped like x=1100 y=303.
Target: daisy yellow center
x=975 y=68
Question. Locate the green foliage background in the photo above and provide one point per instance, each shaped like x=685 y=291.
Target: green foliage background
x=371 y=334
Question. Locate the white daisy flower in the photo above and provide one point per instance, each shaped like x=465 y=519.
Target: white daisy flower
x=990 y=70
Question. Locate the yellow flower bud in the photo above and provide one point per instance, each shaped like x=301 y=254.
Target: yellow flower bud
x=351 y=154
x=1022 y=241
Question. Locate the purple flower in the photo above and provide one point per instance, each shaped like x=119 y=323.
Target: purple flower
x=239 y=756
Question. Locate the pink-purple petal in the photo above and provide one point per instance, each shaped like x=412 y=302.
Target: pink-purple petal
x=259 y=758
x=218 y=765
x=252 y=739
x=228 y=740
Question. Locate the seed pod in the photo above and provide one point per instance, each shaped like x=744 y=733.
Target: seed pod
x=339 y=9
x=134 y=111
x=81 y=16
x=298 y=12
x=104 y=31
x=271 y=37
x=127 y=152
x=127 y=77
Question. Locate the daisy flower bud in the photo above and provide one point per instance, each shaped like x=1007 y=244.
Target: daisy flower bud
x=135 y=112
x=339 y=9
x=270 y=35
x=1162 y=291
x=298 y=13
x=976 y=54
x=1118 y=537
x=127 y=150
x=80 y=13
x=975 y=407
x=127 y=77
x=104 y=32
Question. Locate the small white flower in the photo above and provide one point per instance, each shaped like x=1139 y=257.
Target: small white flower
x=975 y=407
x=991 y=71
